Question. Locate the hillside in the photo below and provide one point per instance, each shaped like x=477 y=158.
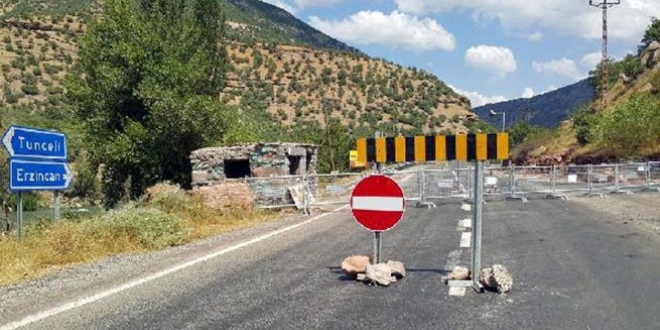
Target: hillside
x=627 y=129
x=300 y=83
x=297 y=72
x=546 y=110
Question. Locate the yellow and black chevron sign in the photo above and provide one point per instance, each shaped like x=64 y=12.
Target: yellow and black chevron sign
x=403 y=149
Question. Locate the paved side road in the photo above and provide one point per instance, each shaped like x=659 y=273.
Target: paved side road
x=573 y=268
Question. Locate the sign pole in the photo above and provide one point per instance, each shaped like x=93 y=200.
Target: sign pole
x=19 y=215
x=476 y=224
x=377 y=234
x=57 y=204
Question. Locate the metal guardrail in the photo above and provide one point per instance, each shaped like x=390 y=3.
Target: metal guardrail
x=457 y=182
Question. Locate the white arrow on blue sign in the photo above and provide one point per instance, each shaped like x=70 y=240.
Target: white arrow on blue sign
x=38 y=175
x=27 y=142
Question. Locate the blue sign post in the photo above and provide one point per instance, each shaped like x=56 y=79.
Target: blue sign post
x=37 y=161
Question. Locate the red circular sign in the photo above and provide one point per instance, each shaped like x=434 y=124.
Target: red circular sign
x=377 y=203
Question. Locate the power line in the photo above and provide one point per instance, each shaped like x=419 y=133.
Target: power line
x=604 y=5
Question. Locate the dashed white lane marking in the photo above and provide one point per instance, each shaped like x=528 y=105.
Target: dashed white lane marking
x=465 y=240
x=457 y=291
x=464 y=224
x=466 y=207
x=104 y=294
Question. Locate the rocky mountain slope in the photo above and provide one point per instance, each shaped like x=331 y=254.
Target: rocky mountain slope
x=627 y=129
x=278 y=62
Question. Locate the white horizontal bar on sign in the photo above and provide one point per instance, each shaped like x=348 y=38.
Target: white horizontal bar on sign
x=386 y=204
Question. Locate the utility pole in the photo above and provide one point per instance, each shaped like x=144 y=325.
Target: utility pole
x=604 y=5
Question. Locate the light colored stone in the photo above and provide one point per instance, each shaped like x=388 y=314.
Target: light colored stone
x=354 y=265
x=379 y=273
x=459 y=274
x=502 y=279
x=397 y=269
x=650 y=57
x=496 y=278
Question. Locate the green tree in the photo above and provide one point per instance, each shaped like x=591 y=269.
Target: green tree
x=149 y=76
x=584 y=120
x=632 y=67
x=652 y=32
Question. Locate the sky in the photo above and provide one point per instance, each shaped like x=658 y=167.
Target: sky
x=487 y=50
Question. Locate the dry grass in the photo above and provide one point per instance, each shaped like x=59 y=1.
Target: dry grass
x=171 y=218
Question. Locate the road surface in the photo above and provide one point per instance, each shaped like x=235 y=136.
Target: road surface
x=573 y=268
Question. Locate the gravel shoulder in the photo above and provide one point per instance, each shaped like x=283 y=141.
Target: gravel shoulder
x=640 y=209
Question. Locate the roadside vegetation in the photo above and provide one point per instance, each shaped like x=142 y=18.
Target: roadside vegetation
x=167 y=217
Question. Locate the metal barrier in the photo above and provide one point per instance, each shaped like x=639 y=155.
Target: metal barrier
x=278 y=191
x=629 y=177
x=439 y=184
x=653 y=176
x=330 y=189
x=410 y=183
x=455 y=180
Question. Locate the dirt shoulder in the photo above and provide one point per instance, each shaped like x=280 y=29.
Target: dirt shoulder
x=639 y=209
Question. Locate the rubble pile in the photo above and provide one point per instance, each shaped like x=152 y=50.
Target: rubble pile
x=360 y=268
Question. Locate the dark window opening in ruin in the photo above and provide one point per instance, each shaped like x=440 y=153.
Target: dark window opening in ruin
x=237 y=168
x=294 y=165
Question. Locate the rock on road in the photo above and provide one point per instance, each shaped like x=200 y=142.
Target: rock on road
x=573 y=268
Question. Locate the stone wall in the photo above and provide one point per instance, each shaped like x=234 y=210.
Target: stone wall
x=265 y=160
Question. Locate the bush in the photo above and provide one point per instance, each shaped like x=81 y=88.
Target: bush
x=153 y=228
x=655 y=83
x=632 y=127
x=30 y=89
x=30 y=202
x=583 y=121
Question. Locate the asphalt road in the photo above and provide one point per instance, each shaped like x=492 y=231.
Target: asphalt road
x=572 y=268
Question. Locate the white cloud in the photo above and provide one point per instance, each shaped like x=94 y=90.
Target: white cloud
x=315 y=3
x=528 y=93
x=499 y=60
x=477 y=99
x=536 y=36
x=591 y=60
x=395 y=29
x=282 y=4
x=627 y=21
x=564 y=67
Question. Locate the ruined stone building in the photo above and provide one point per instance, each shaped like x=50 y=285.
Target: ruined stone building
x=264 y=167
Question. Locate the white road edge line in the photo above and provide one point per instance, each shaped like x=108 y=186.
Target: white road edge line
x=104 y=294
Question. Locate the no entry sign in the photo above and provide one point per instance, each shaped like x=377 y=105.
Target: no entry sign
x=377 y=203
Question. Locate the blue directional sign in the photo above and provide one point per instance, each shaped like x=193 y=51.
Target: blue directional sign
x=38 y=175
x=34 y=143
